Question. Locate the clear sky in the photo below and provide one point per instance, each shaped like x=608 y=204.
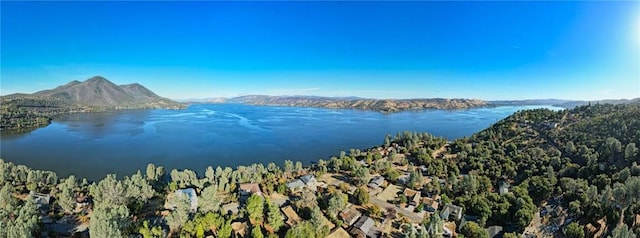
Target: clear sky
x=486 y=50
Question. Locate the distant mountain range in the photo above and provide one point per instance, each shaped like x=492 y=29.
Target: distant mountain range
x=569 y=104
x=394 y=105
x=95 y=94
x=380 y=105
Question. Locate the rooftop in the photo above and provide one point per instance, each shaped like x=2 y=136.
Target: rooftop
x=252 y=188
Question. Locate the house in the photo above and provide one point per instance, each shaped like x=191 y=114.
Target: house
x=413 y=196
x=451 y=212
x=494 y=231
x=191 y=195
x=308 y=180
x=350 y=215
x=291 y=215
x=364 y=227
x=231 y=208
x=404 y=178
x=43 y=201
x=467 y=218
x=430 y=204
x=248 y=189
x=295 y=185
x=339 y=233
x=596 y=231
x=376 y=182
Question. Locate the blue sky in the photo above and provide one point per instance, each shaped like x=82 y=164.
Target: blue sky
x=486 y=50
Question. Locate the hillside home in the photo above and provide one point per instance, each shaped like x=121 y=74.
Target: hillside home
x=364 y=227
x=376 y=182
x=43 y=201
x=308 y=180
x=291 y=215
x=191 y=195
x=248 y=189
x=413 y=196
x=350 y=215
x=295 y=185
x=451 y=212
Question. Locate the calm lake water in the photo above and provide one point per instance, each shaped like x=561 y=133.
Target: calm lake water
x=94 y=144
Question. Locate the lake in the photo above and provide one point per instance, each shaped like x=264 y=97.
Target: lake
x=93 y=144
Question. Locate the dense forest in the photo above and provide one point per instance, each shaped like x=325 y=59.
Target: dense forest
x=537 y=173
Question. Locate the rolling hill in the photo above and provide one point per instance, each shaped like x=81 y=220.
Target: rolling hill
x=379 y=105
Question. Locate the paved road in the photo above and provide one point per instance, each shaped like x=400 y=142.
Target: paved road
x=383 y=205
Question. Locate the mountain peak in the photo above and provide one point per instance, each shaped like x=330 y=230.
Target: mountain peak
x=97 y=79
x=97 y=91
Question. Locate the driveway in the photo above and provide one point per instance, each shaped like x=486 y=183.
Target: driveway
x=383 y=205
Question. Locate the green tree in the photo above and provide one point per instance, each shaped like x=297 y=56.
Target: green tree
x=7 y=201
x=109 y=221
x=415 y=179
x=180 y=214
x=622 y=231
x=225 y=230
x=361 y=196
x=151 y=172
x=630 y=150
x=337 y=202
x=473 y=230
x=299 y=167
x=360 y=175
x=66 y=197
x=540 y=188
x=210 y=175
x=24 y=222
x=255 y=208
x=199 y=231
x=303 y=229
x=256 y=232
x=138 y=188
x=288 y=167
x=434 y=226
x=574 y=230
x=209 y=200
x=318 y=222
x=109 y=192
x=510 y=235
x=575 y=208
x=275 y=219
x=150 y=232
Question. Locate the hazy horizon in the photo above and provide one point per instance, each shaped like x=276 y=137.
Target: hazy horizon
x=193 y=50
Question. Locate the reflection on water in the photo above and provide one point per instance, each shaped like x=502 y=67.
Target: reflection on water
x=94 y=144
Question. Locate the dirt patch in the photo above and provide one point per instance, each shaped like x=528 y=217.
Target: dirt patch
x=389 y=193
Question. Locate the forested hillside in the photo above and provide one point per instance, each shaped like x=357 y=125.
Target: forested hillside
x=584 y=161
x=537 y=173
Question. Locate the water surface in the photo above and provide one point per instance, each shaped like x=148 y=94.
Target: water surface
x=94 y=144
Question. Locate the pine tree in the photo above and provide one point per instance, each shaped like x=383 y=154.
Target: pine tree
x=208 y=200
x=275 y=219
x=66 y=198
x=255 y=208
